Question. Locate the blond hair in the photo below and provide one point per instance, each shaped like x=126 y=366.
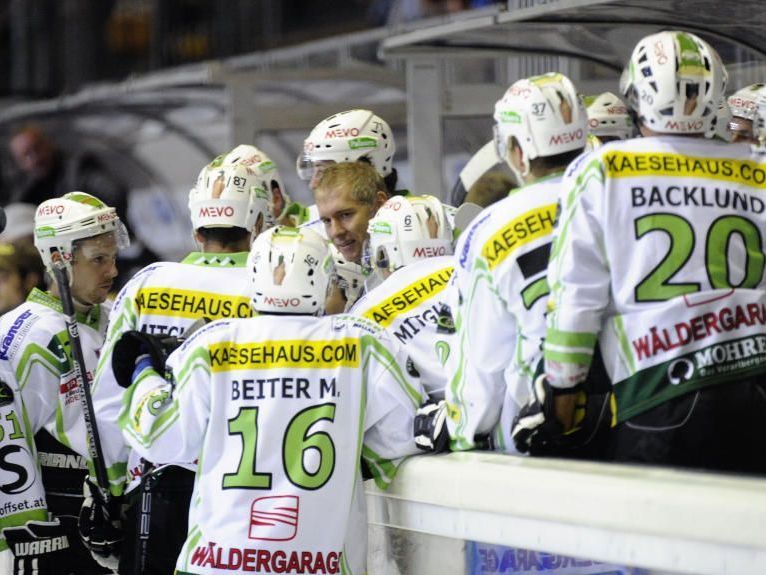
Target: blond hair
x=363 y=180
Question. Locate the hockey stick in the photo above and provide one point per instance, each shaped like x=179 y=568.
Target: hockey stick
x=148 y=479
x=143 y=518
x=80 y=373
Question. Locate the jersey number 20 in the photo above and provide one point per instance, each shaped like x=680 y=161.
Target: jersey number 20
x=657 y=285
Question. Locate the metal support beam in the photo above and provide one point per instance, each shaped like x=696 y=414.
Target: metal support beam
x=424 y=127
x=241 y=112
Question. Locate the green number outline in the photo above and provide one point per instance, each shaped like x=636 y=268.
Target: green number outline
x=297 y=439
x=718 y=239
x=717 y=248
x=245 y=424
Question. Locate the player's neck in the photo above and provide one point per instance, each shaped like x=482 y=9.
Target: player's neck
x=79 y=307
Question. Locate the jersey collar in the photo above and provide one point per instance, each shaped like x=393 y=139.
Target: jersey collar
x=235 y=260
x=537 y=181
x=91 y=319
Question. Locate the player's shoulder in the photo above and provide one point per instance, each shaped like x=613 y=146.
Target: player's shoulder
x=347 y=325
x=466 y=242
x=31 y=323
x=215 y=331
x=439 y=269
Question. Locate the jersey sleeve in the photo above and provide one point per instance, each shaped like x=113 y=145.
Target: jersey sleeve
x=20 y=477
x=393 y=397
x=107 y=394
x=165 y=420
x=475 y=393
x=579 y=277
x=38 y=373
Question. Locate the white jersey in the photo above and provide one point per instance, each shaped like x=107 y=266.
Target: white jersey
x=660 y=254
x=501 y=277
x=279 y=411
x=165 y=299
x=412 y=305
x=39 y=391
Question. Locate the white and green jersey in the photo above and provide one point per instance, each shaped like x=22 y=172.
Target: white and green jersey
x=20 y=473
x=500 y=273
x=36 y=368
x=165 y=299
x=660 y=255
x=412 y=305
x=279 y=412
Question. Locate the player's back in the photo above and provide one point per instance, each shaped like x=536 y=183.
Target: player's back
x=167 y=297
x=680 y=216
x=679 y=223
x=510 y=242
x=412 y=304
x=287 y=407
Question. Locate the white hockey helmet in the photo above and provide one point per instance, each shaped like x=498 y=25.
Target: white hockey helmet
x=407 y=229
x=235 y=190
x=350 y=276
x=347 y=137
x=544 y=114
x=290 y=271
x=60 y=222
x=674 y=83
x=608 y=117
x=744 y=102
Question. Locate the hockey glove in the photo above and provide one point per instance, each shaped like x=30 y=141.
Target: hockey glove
x=130 y=349
x=431 y=427
x=41 y=547
x=100 y=525
x=535 y=429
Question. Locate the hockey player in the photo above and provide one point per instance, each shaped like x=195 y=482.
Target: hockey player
x=279 y=409
x=230 y=204
x=608 y=120
x=36 y=350
x=350 y=136
x=502 y=258
x=659 y=256
x=348 y=195
x=410 y=247
x=743 y=104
